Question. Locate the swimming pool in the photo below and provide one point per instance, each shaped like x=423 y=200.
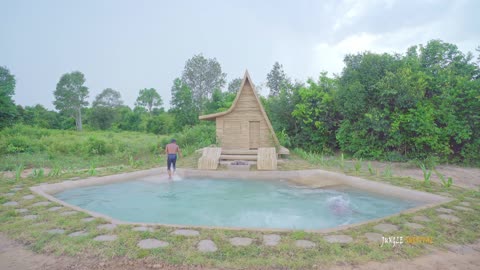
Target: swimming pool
x=313 y=200
x=233 y=203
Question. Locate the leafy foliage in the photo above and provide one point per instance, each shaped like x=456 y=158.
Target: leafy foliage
x=70 y=96
x=7 y=90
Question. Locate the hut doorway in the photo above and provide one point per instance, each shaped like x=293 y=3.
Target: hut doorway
x=254 y=138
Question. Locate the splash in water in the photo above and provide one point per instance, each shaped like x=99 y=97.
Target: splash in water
x=340 y=205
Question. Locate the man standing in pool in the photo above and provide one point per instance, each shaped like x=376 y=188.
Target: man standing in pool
x=171 y=150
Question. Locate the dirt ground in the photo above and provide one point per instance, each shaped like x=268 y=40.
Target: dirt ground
x=14 y=256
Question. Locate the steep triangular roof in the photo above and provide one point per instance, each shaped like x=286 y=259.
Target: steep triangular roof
x=264 y=114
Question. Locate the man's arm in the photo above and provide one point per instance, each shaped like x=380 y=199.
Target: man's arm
x=166 y=150
x=179 y=152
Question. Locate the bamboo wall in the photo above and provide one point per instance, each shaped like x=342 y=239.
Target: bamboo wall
x=233 y=129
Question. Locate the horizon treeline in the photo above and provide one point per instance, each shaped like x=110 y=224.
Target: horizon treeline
x=421 y=104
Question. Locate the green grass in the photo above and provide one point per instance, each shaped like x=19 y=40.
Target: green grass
x=182 y=250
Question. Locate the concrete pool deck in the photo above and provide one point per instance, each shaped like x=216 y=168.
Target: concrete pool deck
x=309 y=178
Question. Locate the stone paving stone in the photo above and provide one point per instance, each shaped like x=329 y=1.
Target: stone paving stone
x=108 y=227
x=55 y=208
x=461 y=208
x=41 y=204
x=9 y=194
x=30 y=217
x=465 y=203
x=444 y=194
x=444 y=210
x=68 y=213
x=79 y=233
x=105 y=238
x=12 y=203
x=421 y=218
x=151 y=243
x=206 y=246
x=22 y=210
x=373 y=237
x=16 y=189
x=271 y=239
x=88 y=219
x=28 y=197
x=385 y=227
x=449 y=218
x=460 y=249
x=56 y=231
x=304 y=244
x=339 y=238
x=241 y=241
x=143 y=229
x=186 y=232
x=414 y=226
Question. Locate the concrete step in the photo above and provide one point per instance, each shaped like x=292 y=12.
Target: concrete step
x=238 y=157
x=239 y=152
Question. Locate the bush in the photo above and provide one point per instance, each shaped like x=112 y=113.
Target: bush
x=95 y=146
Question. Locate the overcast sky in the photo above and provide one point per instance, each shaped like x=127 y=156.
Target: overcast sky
x=130 y=45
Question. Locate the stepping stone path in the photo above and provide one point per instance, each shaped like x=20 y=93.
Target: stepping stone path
x=22 y=210
x=16 y=189
x=10 y=204
x=241 y=241
x=421 y=218
x=151 y=243
x=56 y=231
x=108 y=227
x=28 y=197
x=9 y=194
x=304 y=244
x=30 y=217
x=449 y=218
x=105 y=238
x=444 y=210
x=187 y=233
x=88 y=219
x=79 y=233
x=339 y=238
x=143 y=229
x=414 y=226
x=444 y=194
x=41 y=204
x=68 y=213
x=271 y=239
x=373 y=237
x=206 y=246
x=465 y=203
x=55 y=208
x=461 y=208
x=384 y=227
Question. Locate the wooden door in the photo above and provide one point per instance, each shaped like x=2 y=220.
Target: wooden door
x=254 y=138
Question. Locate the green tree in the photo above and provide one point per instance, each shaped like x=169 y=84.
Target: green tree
x=203 y=76
x=234 y=85
x=182 y=105
x=149 y=98
x=104 y=108
x=7 y=90
x=70 y=96
x=277 y=79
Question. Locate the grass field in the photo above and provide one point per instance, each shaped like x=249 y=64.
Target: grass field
x=80 y=155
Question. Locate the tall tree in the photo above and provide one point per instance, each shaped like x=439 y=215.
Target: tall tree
x=104 y=108
x=234 y=85
x=183 y=105
x=203 y=76
x=7 y=90
x=70 y=96
x=149 y=98
x=276 y=79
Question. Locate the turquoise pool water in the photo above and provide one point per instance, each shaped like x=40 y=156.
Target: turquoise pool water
x=233 y=203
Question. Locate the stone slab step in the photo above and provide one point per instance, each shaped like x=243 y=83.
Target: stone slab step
x=238 y=157
x=239 y=152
